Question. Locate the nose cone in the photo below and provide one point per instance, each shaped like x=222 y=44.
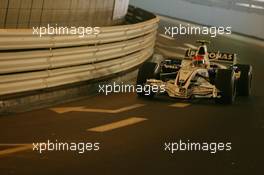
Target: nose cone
x=184 y=75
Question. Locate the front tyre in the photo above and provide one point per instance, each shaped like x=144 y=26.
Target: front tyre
x=244 y=82
x=147 y=71
x=225 y=83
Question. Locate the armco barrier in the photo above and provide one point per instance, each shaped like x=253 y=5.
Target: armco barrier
x=28 y=62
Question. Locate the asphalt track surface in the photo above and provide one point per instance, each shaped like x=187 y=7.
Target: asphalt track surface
x=132 y=142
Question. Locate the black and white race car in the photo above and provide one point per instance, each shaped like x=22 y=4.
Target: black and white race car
x=201 y=74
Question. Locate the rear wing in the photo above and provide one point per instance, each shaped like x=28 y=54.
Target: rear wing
x=220 y=57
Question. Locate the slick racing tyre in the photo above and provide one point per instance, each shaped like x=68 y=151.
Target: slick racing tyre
x=244 y=82
x=147 y=71
x=225 y=83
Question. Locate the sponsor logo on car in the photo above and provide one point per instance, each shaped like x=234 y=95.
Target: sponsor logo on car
x=213 y=55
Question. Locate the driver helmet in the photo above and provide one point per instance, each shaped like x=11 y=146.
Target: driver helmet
x=199 y=58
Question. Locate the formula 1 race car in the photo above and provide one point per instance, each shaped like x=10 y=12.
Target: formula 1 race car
x=201 y=74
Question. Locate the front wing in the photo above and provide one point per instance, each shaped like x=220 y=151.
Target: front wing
x=198 y=91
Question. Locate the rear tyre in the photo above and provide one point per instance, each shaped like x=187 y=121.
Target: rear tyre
x=244 y=82
x=147 y=71
x=225 y=83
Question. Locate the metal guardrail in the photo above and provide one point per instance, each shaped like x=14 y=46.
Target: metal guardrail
x=136 y=15
x=28 y=62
